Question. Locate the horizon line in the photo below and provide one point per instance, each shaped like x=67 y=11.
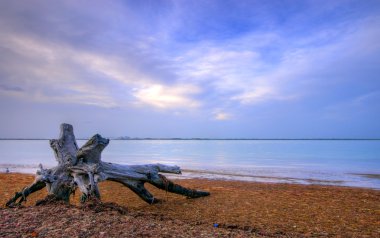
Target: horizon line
x=195 y=138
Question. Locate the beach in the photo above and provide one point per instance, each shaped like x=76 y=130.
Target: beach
x=261 y=116
x=234 y=209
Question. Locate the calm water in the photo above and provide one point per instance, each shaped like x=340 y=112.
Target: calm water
x=311 y=162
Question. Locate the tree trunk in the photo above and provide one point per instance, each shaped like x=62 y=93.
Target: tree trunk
x=83 y=168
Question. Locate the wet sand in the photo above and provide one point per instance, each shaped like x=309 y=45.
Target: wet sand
x=238 y=209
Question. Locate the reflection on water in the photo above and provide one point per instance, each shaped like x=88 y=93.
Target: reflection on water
x=309 y=162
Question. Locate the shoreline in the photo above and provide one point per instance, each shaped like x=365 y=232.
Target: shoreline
x=288 y=180
x=235 y=176
x=240 y=208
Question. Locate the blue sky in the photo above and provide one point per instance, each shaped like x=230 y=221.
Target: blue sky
x=236 y=69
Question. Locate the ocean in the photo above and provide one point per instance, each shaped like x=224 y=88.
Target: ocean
x=328 y=162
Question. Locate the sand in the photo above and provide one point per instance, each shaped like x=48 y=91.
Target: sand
x=237 y=209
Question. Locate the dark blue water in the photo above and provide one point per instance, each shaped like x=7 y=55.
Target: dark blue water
x=336 y=162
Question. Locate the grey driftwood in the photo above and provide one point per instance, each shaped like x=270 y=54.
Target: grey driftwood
x=83 y=168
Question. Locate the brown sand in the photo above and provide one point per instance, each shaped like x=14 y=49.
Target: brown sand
x=241 y=209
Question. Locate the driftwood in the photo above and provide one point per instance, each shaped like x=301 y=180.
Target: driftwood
x=83 y=168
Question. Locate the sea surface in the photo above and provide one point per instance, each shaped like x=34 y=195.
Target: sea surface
x=329 y=162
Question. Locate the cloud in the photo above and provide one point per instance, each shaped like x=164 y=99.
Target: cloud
x=189 y=58
x=244 y=69
x=49 y=72
x=165 y=97
x=68 y=60
x=255 y=95
x=10 y=88
x=53 y=72
x=249 y=67
x=221 y=116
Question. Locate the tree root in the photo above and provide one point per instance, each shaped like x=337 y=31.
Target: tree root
x=83 y=168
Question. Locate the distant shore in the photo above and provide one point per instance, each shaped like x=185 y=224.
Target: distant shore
x=227 y=139
x=235 y=208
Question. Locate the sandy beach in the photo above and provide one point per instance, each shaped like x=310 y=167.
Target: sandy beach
x=234 y=209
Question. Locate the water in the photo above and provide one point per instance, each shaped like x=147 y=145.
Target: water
x=335 y=162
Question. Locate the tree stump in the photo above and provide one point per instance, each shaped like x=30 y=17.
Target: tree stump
x=83 y=168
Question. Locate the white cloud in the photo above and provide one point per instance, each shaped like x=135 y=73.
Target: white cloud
x=231 y=70
x=168 y=97
x=45 y=74
x=257 y=94
x=51 y=72
x=222 y=116
x=238 y=68
x=220 y=66
x=241 y=68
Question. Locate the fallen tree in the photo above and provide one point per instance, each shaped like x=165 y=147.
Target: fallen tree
x=83 y=168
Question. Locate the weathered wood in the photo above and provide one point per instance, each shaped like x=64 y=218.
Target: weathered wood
x=134 y=177
x=91 y=151
x=83 y=168
x=65 y=147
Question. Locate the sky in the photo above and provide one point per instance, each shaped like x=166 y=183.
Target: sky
x=183 y=68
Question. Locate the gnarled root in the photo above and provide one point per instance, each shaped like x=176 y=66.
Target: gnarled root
x=166 y=184
x=21 y=196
